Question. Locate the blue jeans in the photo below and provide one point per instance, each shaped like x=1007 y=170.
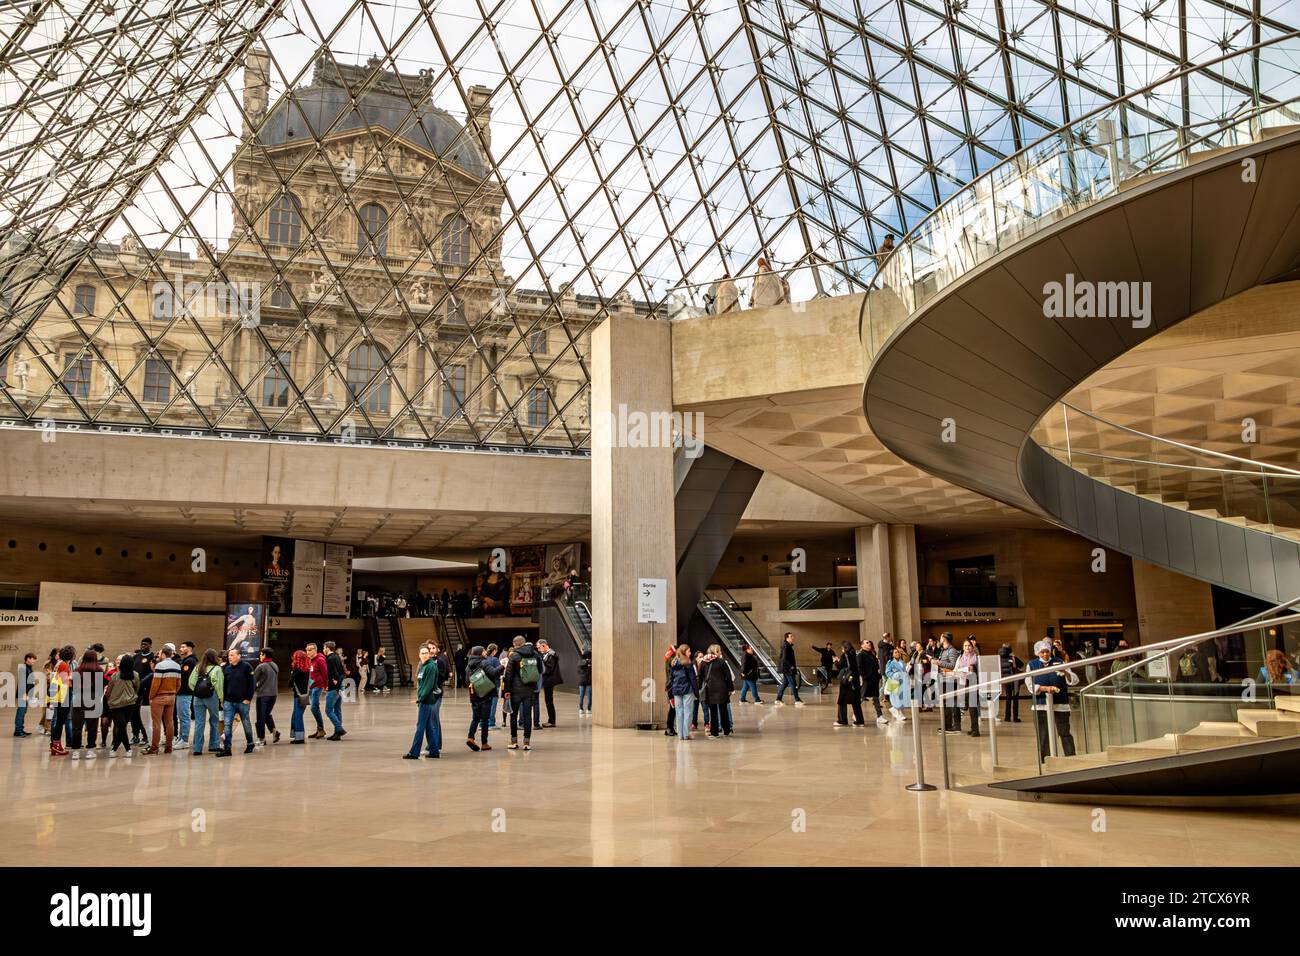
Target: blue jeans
x=209 y=707
x=426 y=729
x=314 y=694
x=237 y=707
x=749 y=686
x=334 y=709
x=296 y=729
x=685 y=704
x=183 y=715
x=20 y=718
x=788 y=680
x=492 y=711
x=584 y=694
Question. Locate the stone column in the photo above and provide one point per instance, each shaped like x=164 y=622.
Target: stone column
x=888 y=584
x=631 y=517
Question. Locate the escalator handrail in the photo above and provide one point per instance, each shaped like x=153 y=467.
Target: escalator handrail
x=763 y=656
x=572 y=624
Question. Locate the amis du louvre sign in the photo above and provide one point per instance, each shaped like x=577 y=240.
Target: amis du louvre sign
x=937 y=614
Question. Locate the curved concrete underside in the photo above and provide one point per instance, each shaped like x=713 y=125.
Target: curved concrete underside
x=983 y=354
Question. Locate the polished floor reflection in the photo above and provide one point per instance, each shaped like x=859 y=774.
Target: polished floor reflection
x=786 y=789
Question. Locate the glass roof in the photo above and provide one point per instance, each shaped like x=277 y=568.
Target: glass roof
x=399 y=221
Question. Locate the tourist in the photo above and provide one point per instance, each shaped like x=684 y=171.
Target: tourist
x=188 y=660
x=239 y=689
x=869 y=674
x=60 y=695
x=1277 y=670
x=266 y=684
x=165 y=681
x=379 y=673
x=669 y=657
x=717 y=686
x=1051 y=692
x=500 y=657
x=122 y=697
x=320 y=681
x=207 y=694
x=944 y=681
x=551 y=678
x=684 y=686
x=87 y=698
x=300 y=682
x=26 y=687
x=1009 y=664
x=142 y=720
x=898 y=684
x=749 y=675
x=47 y=703
x=523 y=672
x=482 y=674
x=428 y=698
x=584 y=682
x=846 y=664
x=965 y=674
x=362 y=671
x=789 y=672
x=826 y=665
x=334 y=695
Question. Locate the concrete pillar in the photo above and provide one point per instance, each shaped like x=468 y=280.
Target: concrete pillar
x=888 y=586
x=631 y=516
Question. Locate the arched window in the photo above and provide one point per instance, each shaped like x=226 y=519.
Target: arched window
x=363 y=362
x=284 y=222
x=455 y=241
x=373 y=228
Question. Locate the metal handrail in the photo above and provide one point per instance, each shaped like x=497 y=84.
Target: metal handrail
x=1294 y=472
x=1186 y=71
x=1070 y=452
x=764 y=657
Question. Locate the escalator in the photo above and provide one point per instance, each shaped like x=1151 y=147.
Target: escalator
x=575 y=611
x=734 y=630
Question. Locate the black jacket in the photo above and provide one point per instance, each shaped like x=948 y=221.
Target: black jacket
x=749 y=667
x=515 y=687
x=584 y=670
x=551 y=669
x=827 y=658
x=239 y=684
x=787 y=658
x=869 y=671
x=187 y=664
x=334 y=664
x=489 y=664
x=716 y=681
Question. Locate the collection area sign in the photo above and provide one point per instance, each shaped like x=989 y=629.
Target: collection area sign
x=20 y=618
x=652 y=601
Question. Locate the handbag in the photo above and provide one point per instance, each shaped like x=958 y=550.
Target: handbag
x=892 y=685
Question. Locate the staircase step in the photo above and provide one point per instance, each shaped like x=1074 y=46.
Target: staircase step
x=1214 y=733
x=1157 y=747
x=1270 y=723
x=1077 y=762
x=1287 y=702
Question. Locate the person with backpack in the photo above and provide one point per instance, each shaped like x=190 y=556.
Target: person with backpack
x=551 y=677
x=266 y=681
x=845 y=666
x=239 y=687
x=717 y=684
x=207 y=691
x=300 y=682
x=749 y=675
x=584 y=682
x=481 y=675
x=60 y=696
x=523 y=672
x=334 y=695
x=121 y=696
x=87 y=699
x=428 y=699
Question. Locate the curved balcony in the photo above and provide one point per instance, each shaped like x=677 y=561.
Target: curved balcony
x=1046 y=268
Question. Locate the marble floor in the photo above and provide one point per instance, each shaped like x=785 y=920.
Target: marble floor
x=787 y=788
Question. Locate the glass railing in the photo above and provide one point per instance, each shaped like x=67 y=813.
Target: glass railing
x=969 y=595
x=818 y=599
x=1261 y=495
x=1189 y=694
x=1163 y=127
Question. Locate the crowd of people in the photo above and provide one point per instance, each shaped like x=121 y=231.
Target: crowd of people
x=156 y=702
x=460 y=604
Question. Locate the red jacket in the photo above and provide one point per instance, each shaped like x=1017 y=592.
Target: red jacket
x=320 y=672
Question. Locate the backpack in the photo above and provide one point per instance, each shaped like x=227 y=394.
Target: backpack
x=481 y=683
x=528 y=672
x=203 y=687
x=1187 y=665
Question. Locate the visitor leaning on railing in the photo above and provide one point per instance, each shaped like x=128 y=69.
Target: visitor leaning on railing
x=1051 y=692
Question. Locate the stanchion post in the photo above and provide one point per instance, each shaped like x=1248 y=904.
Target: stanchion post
x=917 y=757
